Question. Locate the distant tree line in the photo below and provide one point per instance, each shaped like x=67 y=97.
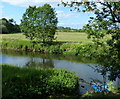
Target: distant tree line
x=68 y=29
x=8 y=26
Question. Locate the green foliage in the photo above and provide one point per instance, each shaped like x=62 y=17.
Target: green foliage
x=71 y=48
x=3 y=29
x=55 y=49
x=102 y=25
x=7 y=26
x=19 y=83
x=16 y=44
x=80 y=49
x=39 y=23
x=105 y=22
x=63 y=48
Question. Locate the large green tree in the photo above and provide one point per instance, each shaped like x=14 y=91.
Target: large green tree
x=39 y=23
x=105 y=22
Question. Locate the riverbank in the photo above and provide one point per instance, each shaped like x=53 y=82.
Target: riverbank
x=36 y=83
x=64 y=48
x=66 y=43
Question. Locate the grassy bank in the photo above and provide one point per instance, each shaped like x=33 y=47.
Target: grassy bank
x=19 y=83
x=55 y=48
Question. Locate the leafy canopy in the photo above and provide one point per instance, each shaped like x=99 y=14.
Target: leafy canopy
x=39 y=23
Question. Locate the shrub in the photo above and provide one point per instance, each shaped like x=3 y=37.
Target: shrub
x=70 y=48
x=55 y=49
x=26 y=83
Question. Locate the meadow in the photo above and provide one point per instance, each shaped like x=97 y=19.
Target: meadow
x=60 y=36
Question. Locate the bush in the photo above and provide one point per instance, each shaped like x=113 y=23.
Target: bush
x=55 y=49
x=26 y=83
x=71 y=48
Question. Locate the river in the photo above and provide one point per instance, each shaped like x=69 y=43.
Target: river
x=84 y=67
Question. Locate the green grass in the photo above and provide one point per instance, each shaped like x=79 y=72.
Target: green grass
x=61 y=36
x=19 y=36
x=72 y=37
x=29 y=83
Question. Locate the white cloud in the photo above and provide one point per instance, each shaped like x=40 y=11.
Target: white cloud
x=72 y=25
x=61 y=24
x=26 y=3
x=67 y=15
x=63 y=15
x=40 y=2
x=34 y=2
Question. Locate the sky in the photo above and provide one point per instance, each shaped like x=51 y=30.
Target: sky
x=15 y=9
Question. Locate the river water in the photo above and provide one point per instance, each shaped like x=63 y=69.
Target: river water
x=85 y=68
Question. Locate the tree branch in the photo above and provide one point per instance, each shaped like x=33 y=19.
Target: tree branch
x=112 y=14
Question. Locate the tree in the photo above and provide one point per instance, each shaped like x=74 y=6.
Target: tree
x=39 y=23
x=7 y=26
x=3 y=27
x=106 y=22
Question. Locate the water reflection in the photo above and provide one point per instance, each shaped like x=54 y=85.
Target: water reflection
x=44 y=63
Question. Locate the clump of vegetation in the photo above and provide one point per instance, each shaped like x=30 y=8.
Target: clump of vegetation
x=19 y=83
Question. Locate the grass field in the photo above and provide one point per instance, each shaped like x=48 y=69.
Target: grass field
x=61 y=36
x=72 y=36
x=13 y=36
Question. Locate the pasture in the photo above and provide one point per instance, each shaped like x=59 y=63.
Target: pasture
x=60 y=36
